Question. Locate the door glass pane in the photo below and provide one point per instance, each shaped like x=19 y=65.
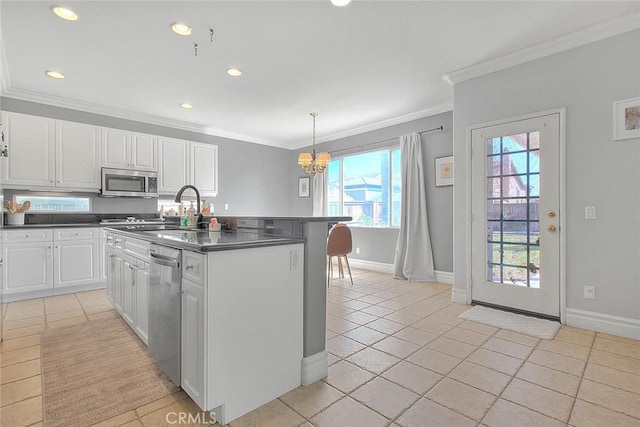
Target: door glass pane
x=512 y=201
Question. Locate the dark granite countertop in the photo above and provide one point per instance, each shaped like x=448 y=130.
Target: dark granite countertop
x=209 y=241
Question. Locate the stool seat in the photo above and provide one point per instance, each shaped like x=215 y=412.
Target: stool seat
x=339 y=244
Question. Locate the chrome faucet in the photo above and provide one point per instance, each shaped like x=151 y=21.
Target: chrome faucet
x=178 y=199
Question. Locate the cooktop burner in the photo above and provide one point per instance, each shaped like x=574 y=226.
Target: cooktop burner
x=132 y=220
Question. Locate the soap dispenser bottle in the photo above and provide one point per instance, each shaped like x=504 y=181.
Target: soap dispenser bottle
x=191 y=215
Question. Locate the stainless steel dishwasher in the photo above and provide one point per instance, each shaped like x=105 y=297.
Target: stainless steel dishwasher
x=165 y=294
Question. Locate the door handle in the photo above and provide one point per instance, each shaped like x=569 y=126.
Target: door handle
x=551 y=214
x=552 y=228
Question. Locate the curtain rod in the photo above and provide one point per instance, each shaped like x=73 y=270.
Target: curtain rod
x=384 y=140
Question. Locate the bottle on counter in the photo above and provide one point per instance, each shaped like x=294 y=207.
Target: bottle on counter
x=191 y=216
x=161 y=212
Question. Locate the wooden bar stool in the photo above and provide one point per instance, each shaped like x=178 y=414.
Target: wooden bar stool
x=339 y=245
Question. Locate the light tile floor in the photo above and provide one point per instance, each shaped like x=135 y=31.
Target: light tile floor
x=399 y=355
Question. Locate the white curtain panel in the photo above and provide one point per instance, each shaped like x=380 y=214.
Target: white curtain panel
x=414 y=258
x=319 y=199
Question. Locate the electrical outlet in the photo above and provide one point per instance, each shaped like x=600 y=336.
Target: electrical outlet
x=589 y=212
x=226 y=206
x=590 y=292
x=358 y=251
x=294 y=260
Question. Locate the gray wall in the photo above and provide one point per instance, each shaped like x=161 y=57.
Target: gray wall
x=253 y=178
x=378 y=244
x=600 y=172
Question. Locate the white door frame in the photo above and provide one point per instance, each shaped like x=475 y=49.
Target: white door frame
x=562 y=188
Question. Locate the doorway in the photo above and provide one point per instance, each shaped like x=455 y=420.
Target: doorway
x=516 y=215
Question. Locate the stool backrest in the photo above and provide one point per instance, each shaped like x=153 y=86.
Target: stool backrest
x=339 y=242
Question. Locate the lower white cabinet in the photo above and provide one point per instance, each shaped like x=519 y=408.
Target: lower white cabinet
x=128 y=284
x=28 y=269
x=193 y=339
x=75 y=263
x=50 y=261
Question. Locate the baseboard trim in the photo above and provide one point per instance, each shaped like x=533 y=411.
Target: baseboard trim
x=459 y=296
x=314 y=368
x=614 y=325
x=382 y=267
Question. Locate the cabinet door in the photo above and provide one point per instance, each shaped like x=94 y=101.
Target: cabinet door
x=76 y=263
x=193 y=341
x=103 y=260
x=142 y=301
x=204 y=168
x=27 y=267
x=110 y=272
x=116 y=148
x=118 y=272
x=173 y=170
x=128 y=293
x=78 y=155
x=31 y=144
x=144 y=151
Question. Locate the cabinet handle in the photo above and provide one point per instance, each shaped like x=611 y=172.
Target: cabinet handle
x=111 y=255
x=188 y=267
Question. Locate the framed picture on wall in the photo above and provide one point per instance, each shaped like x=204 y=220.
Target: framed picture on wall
x=626 y=119
x=444 y=171
x=303 y=186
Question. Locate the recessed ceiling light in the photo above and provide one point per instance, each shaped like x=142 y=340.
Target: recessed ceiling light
x=234 y=72
x=65 y=13
x=54 y=74
x=181 y=28
x=340 y=3
x=186 y=106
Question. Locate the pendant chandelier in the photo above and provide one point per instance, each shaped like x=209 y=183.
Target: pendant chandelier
x=310 y=162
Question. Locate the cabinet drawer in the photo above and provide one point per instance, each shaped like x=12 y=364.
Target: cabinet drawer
x=27 y=236
x=61 y=234
x=137 y=248
x=193 y=266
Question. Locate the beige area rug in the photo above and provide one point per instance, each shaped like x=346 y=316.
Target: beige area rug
x=539 y=328
x=95 y=371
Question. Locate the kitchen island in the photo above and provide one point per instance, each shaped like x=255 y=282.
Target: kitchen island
x=253 y=303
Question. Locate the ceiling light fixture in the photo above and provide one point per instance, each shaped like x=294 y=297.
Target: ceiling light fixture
x=54 y=74
x=65 y=13
x=309 y=162
x=186 y=106
x=181 y=28
x=234 y=72
x=340 y=3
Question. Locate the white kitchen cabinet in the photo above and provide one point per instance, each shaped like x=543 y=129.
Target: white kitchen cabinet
x=118 y=273
x=173 y=165
x=78 y=156
x=128 y=293
x=75 y=263
x=28 y=268
x=111 y=275
x=193 y=341
x=46 y=153
x=31 y=144
x=183 y=162
x=204 y=168
x=129 y=150
x=141 y=306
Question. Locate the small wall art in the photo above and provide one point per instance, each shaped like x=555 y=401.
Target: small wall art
x=303 y=186
x=444 y=171
x=626 y=119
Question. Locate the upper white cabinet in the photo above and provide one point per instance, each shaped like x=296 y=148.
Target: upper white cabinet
x=129 y=150
x=204 y=168
x=31 y=144
x=77 y=155
x=51 y=153
x=173 y=165
x=184 y=162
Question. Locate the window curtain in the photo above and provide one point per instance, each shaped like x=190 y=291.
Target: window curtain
x=413 y=258
x=319 y=199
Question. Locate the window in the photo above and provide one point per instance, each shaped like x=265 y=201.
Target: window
x=366 y=187
x=56 y=203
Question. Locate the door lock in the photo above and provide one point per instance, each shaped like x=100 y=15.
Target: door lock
x=552 y=228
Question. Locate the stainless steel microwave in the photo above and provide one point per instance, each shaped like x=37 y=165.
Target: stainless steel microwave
x=129 y=183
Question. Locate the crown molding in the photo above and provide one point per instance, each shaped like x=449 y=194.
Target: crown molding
x=594 y=33
x=379 y=125
x=74 y=104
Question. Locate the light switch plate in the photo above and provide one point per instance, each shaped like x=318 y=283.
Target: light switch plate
x=589 y=212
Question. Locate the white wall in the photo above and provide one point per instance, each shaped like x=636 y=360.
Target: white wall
x=605 y=252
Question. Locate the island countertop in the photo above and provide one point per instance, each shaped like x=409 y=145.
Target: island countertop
x=209 y=241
